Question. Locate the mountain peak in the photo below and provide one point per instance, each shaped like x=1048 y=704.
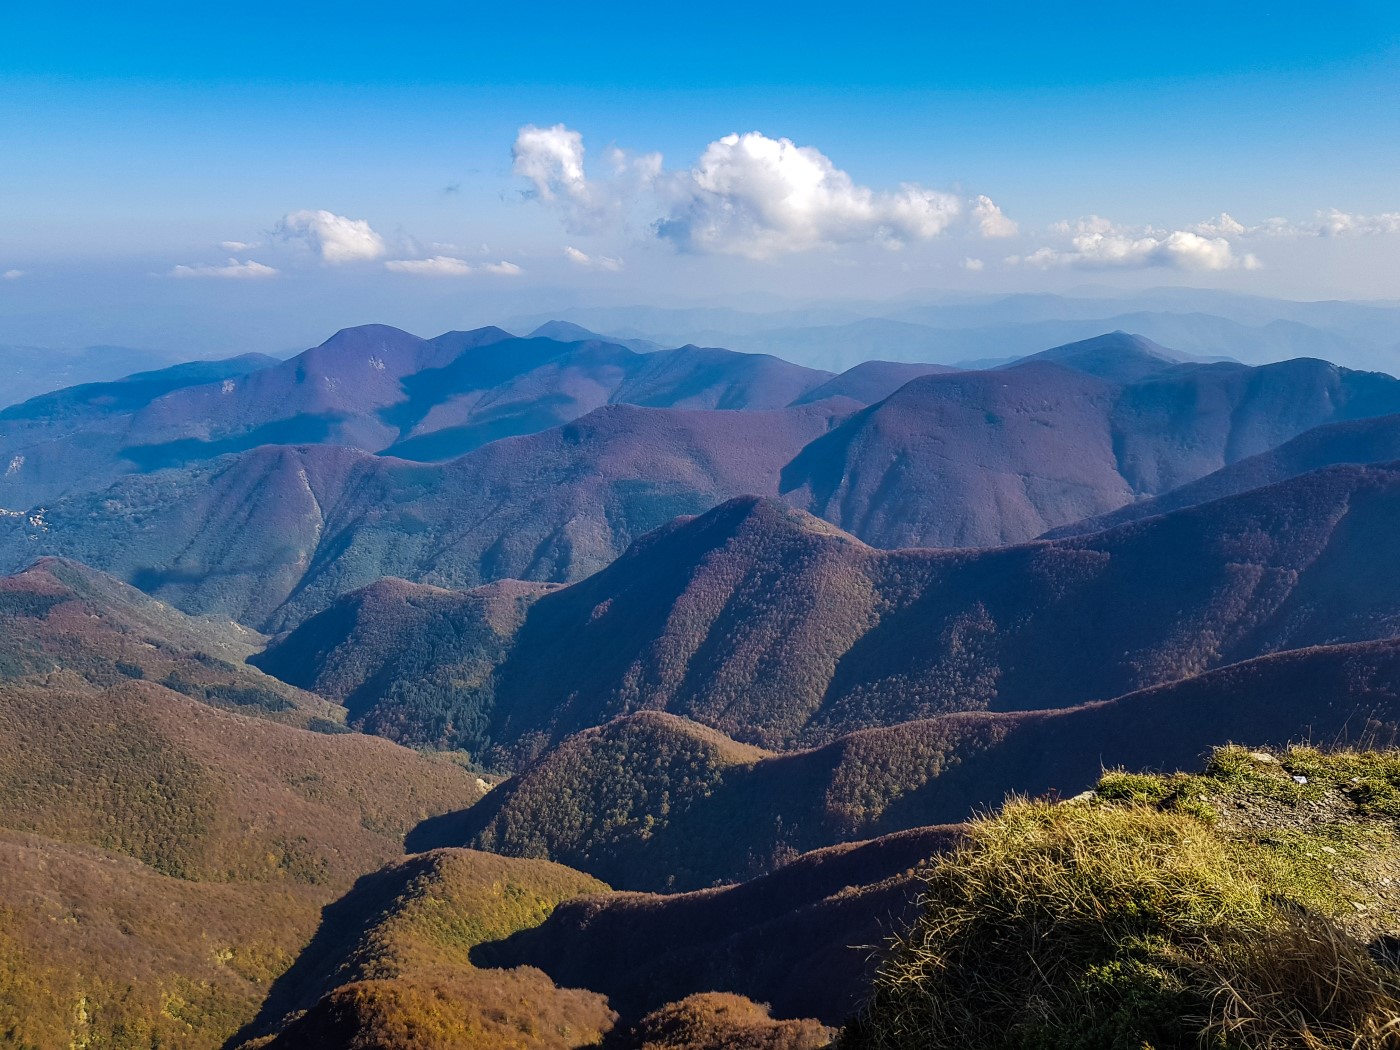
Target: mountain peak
x=1119 y=356
x=564 y=332
x=742 y=514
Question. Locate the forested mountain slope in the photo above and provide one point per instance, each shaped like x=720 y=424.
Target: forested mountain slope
x=637 y=801
x=163 y=861
x=271 y=535
x=978 y=459
x=774 y=628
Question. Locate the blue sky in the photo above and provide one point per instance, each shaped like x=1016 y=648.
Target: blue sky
x=138 y=142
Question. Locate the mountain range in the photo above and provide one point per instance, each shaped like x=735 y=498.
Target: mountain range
x=561 y=690
x=974 y=330
x=977 y=459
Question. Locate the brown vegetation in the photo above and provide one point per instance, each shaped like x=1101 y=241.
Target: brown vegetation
x=164 y=861
x=390 y=967
x=799 y=939
x=777 y=630
x=61 y=616
x=720 y=1021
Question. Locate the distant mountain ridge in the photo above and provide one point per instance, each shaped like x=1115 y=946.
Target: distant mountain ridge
x=971 y=459
x=31 y=371
x=955 y=329
x=374 y=388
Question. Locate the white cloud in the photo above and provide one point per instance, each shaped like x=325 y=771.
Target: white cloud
x=991 y=222
x=234 y=247
x=1096 y=244
x=595 y=262
x=1334 y=223
x=551 y=158
x=337 y=238
x=12 y=275
x=1330 y=222
x=756 y=196
x=232 y=269
x=746 y=195
x=447 y=266
x=975 y=265
x=437 y=266
x=1223 y=225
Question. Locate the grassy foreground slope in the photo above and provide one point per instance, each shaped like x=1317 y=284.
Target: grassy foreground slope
x=162 y=860
x=1254 y=905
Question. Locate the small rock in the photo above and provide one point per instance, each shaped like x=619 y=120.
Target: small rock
x=1263 y=756
x=1299 y=780
x=1328 y=849
x=1358 y=905
x=1083 y=796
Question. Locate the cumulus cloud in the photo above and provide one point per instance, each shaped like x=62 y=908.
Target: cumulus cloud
x=757 y=196
x=234 y=269
x=1223 y=225
x=448 y=266
x=974 y=265
x=991 y=222
x=1097 y=244
x=552 y=160
x=746 y=195
x=12 y=275
x=591 y=262
x=234 y=247
x=338 y=239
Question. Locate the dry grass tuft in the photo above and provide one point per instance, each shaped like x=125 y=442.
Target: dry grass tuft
x=1229 y=911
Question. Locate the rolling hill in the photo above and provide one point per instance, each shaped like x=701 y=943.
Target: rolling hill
x=34 y=370
x=1362 y=441
x=271 y=535
x=391 y=963
x=60 y=618
x=871 y=381
x=635 y=802
x=778 y=630
x=408 y=661
x=66 y=439
x=462 y=948
x=798 y=939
